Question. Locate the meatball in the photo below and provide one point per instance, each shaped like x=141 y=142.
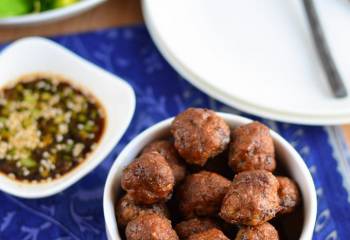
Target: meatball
x=199 y=134
x=252 y=198
x=168 y=151
x=211 y=234
x=264 y=231
x=149 y=179
x=201 y=194
x=218 y=164
x=150 y=227
x=252 y=148
x=288 y=193
x=195 y=225
x=127 y=210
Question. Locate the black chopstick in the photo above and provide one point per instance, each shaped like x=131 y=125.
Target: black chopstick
x=333 y=76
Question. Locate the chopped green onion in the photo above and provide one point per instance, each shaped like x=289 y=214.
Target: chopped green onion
x=28 y=162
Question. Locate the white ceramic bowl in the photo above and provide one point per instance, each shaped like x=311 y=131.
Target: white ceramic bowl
x=291 y=159
x=32 y=55
x=51 y=15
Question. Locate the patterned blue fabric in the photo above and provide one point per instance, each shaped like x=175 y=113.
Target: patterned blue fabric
x=129 y=52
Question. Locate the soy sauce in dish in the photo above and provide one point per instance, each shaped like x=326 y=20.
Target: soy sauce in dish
x=47 y=127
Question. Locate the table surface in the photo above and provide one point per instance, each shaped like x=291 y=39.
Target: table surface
x=110 y=14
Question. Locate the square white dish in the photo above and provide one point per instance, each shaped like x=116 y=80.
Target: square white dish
x=35 y=55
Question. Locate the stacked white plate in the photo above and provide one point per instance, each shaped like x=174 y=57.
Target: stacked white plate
x=257 y=56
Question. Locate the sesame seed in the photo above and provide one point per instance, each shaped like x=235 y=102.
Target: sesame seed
x=59 y=138
x=78 y=148
x=11 y=175
x=26 y=172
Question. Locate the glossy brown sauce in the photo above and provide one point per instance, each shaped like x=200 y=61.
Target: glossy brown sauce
x=47 y=127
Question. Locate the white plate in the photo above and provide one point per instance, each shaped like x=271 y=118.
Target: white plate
x=257 y=56
x=32 y=55
x=52 y=15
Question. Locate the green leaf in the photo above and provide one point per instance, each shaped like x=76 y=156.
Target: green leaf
x=63 y=3
x=9 y=8
x=43 y=5
x=46 y=5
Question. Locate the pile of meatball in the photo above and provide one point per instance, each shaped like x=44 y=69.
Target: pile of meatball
x=176 y=188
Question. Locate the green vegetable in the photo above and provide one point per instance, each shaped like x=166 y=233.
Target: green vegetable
x=11 y=152
x=94 y=114
x=10 y=8
x=3 y=120
x=30 y=99
x=44 y=5
x=69 y=147
x=67 y=158
x=59 y=119
x=35 y=113
x=63 y=3
x=28 y=162
x=89 y=127
x=46 y=96
x=82 y=118
x=27 y=122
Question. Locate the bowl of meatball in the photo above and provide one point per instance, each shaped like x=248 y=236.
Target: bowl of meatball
x=209 y=176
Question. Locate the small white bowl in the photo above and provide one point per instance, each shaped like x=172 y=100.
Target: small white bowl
x=288 y=155
x=35 y=55
x=51 y=15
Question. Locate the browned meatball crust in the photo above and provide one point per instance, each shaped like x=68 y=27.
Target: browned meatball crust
x=148 y=179
x=211 y=234
x=252 y=148
x=201 y=194
x=289 y=194
x=195 y=225
x=264 y=231
x=252 y=198
x=199 y=134
x=150 y=227
x=168 y=151
x=127 y=210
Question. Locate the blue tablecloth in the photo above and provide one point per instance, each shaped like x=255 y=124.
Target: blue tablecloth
x=130 y=53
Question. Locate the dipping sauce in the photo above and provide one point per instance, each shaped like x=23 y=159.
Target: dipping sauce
x=47 y=127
